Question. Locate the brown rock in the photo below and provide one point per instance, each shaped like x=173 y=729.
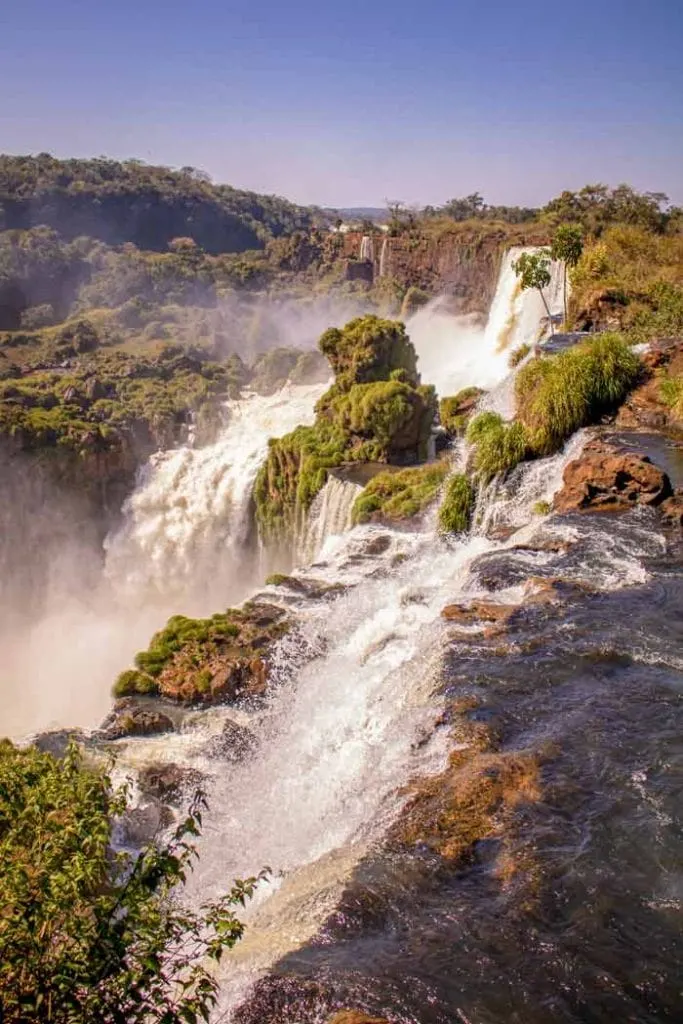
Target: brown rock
x=354 y=1017
x=605 y=478
x=131 y=718
x=168 y=782
x=672 y=511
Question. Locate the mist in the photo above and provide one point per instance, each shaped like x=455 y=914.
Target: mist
x=79 y=597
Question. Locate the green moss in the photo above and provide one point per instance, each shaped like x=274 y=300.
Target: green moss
x=376 y=411
x=518 y=354
x=277 y=579
x=178 y=633
x=455 y=410
x=541 y=508
x=399 y=495
x=499 y=446
x=367 y=349
x=415 y=298
x=457 y=504
x=556 y=396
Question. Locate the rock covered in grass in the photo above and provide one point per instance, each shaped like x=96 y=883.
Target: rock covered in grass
x=216 y=660
x=555 y=396
x=455 y=411
x=376 y=411
x=605 y=478
x=457 y=504
x=393 y=496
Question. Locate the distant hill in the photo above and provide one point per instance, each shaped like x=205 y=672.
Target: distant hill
x=131 y=201
x=355 y=213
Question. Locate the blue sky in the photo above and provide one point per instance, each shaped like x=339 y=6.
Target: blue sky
x=351 y=103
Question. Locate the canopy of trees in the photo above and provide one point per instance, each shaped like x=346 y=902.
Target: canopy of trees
x=131 y=201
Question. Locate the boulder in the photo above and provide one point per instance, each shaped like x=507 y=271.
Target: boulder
x=168 y=782
x=131 y=717
x=606 y=478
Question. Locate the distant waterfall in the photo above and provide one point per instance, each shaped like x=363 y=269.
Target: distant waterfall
x=518 y=316
x=384 y=255
x=329 y=515
x=367 y=250
x=456 y=352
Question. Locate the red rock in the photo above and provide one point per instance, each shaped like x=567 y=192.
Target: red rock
x=604 y=478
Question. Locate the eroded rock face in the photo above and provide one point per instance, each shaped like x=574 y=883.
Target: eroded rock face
x=605 y=478
x=644 y=407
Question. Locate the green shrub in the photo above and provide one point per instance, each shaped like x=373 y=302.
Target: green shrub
x=399 y=495
x=90 y=934
x=499 y=446
x=541 y=508
x=518 y=354
x=415 y=298
x=671 y=393
x=457 y=505
x=556 y=396
x=455 y=410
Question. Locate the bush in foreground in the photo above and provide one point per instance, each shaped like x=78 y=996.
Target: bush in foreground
x=87 y=934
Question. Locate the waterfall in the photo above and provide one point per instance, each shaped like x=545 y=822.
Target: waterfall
x=384 y=255
x=328 y=516
x=186 y=524
x=340 y=735
x=518 y=316
x=367 y=252
x=456 y=352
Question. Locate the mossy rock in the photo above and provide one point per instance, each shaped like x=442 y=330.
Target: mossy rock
x=397 y=496
x=498 y=446
x=376 y=411
x=457 y=504
x=214 y=660
x=367 y=349
x=456 y=410
x=557 y=395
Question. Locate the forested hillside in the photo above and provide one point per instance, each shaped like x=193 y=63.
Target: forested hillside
x=134 y=202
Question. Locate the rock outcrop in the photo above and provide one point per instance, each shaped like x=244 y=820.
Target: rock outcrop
x=208 y=661
x=607 y=478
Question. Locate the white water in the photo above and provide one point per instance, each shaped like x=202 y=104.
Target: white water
x=328 y=516
x=187 y=523
x=367 y=251
x=385 y=253
x=344 y=731
x=456 y=352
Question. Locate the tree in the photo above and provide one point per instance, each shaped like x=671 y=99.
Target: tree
x=567 y=246
x=533 y=271
x=89 y=934
x=466 y=208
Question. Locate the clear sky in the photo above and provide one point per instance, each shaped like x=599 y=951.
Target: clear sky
x=352 y=102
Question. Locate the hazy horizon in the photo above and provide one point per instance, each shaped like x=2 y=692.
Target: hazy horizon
x=352 y=106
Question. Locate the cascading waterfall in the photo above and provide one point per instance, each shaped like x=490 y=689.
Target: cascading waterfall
x=518 y=316
x=385 y=253
x=187 y=523
x=367 y=252
x=339 y=736
x=328 y=516
x=455 y=352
